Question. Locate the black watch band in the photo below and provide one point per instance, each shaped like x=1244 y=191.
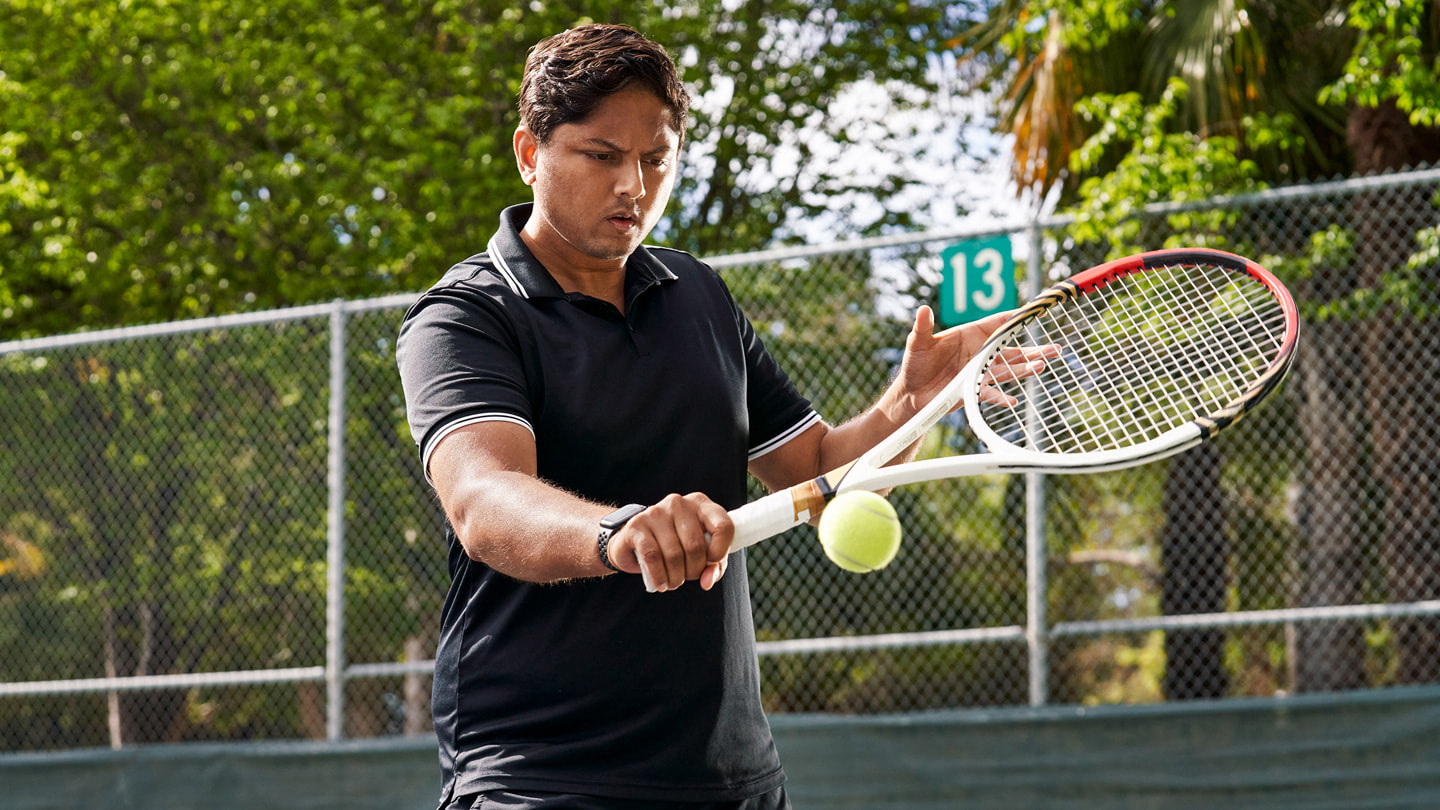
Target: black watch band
x=609 y=525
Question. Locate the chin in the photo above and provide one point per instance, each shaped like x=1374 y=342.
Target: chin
x=608 y=255
x=611 y=251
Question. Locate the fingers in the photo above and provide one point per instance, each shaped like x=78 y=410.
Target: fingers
x=994 y=396
x=681 y=538
x=1010 y=368
x=932 y=360
x=1013 y=365
x=713 y=572
x=1017 y=364
x=938 y=356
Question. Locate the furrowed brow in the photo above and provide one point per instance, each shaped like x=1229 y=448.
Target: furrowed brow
x=661 y=150
x=601 y=143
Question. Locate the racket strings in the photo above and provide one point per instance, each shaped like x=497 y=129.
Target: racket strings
x=1157 y=367
x=1139 y=357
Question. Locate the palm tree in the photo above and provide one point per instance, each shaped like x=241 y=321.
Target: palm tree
x=1239 y=58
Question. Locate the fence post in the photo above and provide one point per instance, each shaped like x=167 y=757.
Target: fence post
x=335 y=534
x=1037 y=635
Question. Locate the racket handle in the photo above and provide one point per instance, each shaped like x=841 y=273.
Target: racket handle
x=762 y=519
x=755 y=521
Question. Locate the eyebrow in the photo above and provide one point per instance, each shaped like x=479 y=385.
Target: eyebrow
x=612 y=147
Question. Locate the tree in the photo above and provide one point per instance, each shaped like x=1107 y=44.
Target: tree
x=1203 y=98
x=1393 y=97
x=200 y=158
x=1245 y=66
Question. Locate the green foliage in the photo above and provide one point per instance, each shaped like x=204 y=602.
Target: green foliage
x=1156 y=165
x=181 y=515
x=1239 y=61
x=166 y=160
x=1405 y=287
x=1216 y=97
x=207 y=157
x=178 y=500
x=1396 y=59
x=1017 y=28
x=783 y=66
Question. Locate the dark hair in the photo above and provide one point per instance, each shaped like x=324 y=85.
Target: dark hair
x=569 y=74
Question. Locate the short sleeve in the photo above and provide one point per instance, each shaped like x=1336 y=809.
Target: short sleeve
x=460 y=363
x=778 y=412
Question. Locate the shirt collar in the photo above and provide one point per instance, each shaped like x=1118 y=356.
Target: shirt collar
x=528 y=277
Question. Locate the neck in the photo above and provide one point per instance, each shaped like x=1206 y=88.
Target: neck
x=576 y=273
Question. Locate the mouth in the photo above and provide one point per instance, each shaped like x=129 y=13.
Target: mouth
x=623 y=221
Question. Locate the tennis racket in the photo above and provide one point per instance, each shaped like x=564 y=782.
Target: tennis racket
x=1158 y=352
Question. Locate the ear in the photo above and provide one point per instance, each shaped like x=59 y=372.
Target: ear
x=526 y=154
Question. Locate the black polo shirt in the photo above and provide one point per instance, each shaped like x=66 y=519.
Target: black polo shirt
x=595 y=686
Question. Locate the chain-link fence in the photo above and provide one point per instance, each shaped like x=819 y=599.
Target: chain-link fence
x=218 y=529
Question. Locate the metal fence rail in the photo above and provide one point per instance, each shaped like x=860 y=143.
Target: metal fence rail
x=216 y=529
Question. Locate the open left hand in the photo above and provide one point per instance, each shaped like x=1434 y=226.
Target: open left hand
x=932 y=360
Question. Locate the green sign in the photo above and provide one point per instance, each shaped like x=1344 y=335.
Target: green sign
x=978 y=279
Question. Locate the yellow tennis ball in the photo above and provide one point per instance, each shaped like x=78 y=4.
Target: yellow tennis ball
x=859 y=531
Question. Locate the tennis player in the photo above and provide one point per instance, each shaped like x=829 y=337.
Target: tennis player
x=586 y=407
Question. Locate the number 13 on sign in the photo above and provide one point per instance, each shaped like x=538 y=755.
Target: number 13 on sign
x=978 y=279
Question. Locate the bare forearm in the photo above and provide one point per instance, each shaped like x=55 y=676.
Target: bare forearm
x=842 y=445
x=508 y=518
x=524 y=528
x=823 y=448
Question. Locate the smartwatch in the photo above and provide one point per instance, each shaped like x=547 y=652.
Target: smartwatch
x=609 y=525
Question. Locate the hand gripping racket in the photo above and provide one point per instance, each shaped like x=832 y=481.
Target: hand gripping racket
x=1158 y=352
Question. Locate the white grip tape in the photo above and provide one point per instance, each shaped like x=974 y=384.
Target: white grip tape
x=755 y=521
x=761 y=519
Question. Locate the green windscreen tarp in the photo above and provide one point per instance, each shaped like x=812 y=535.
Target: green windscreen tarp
x=1355 y=751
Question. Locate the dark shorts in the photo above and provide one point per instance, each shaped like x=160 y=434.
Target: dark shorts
x=528 y=800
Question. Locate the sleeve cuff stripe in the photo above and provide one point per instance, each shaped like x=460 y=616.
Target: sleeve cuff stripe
x=473 y=419
x=784 y=438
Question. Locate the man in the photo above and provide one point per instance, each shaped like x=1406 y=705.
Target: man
x=586 y=408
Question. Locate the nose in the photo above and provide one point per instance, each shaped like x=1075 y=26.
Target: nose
x=631 y=182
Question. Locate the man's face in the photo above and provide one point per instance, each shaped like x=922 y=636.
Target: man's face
x=602 y=183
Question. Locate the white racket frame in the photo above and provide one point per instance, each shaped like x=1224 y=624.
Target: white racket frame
x=782 y=510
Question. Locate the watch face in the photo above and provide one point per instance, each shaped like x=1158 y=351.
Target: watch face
x=616 y=519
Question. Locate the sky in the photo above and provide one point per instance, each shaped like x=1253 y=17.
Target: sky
x=943 y=141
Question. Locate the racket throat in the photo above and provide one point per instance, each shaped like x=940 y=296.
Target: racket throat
x=809 y=498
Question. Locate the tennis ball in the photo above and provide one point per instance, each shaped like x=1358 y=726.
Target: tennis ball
x=859 y=531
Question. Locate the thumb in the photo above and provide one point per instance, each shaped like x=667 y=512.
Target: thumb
x=922 y=333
